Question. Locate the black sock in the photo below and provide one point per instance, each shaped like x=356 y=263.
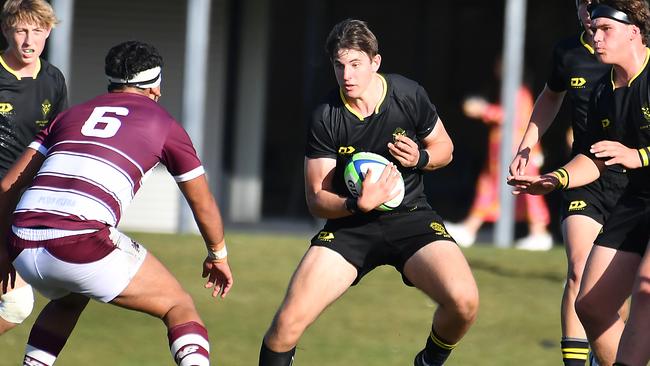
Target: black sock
x=437 y=350
x=272 y=358
x=575 y=351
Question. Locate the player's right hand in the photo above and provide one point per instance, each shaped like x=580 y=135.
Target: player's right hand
x=219 y=276
x=374 y=194
x=7 y=272
x=536 y=184
x=520 y=162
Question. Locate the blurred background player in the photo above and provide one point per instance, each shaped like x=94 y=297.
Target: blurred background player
x=82 y=172
x=32 y=93
x=531 y=209
x=618 y=264
x=574 y=73
x=392 y=116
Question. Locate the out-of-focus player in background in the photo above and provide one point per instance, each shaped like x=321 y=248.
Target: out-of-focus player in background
x=575 y=71
x=32 y=93
x=80 y=174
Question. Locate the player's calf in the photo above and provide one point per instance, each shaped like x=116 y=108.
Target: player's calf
x=189 y=344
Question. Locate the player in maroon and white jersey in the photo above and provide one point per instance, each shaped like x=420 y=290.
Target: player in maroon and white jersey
x=81 y=173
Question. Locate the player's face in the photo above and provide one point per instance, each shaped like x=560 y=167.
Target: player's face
x=583 y=15
x=25 y=42
x=354 y=71
x=611 y=40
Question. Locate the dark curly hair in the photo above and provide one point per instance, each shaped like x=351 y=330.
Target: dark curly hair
x=351 y=34
x=129 y=58
x=636 y=10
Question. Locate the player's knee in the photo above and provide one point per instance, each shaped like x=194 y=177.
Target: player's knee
x=466 y=306
x=588 y=311
x=288 y=327
x=16 y=305
x=642 y=293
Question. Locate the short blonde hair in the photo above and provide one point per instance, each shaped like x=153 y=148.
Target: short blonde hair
x=37 y=12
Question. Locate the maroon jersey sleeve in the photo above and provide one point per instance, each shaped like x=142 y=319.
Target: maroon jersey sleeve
x=179 y=155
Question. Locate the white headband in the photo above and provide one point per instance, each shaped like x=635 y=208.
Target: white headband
x=144 y=79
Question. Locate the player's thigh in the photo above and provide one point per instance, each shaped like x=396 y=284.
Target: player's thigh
x=440 y=270
x=608 y=278
x=153 y=290
x=322 y=276
x=579 y=233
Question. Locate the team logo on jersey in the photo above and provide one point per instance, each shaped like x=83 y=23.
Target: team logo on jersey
x=439 y=229
x=605 y=122
x=46 y=106
x=578 y=82
x=325 y=236
x=6 y=108
x=646 y=112
x=577 y=205
x=346 y=150
x=398 y=132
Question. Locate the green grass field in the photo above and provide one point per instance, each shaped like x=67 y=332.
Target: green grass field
x=380 y=322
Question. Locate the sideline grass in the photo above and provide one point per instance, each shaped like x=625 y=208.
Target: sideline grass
x=380 y=322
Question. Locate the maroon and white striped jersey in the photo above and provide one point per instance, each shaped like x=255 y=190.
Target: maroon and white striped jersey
x=96 y=157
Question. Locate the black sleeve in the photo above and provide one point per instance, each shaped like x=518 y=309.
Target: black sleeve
x=426 y=114
x=557 y=78
x=320 y=141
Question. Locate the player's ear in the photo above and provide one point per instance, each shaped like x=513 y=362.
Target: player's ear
x=376 y=62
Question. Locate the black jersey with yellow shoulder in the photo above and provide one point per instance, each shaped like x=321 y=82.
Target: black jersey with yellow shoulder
x=623 y=114
x=27 y=104
x=576 y=70
x=338 y=132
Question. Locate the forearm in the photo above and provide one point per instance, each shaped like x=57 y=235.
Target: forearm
x=205 y=211
x=580 y=171
x=546 y=108
x=327 y=205
x=439 y=154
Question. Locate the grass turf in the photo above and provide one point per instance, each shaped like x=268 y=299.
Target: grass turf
x=380 y=322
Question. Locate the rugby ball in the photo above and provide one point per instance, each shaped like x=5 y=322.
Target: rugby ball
x=355 y=172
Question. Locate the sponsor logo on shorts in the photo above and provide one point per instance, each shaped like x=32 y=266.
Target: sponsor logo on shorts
x=439 y=229
x=578 y=82
x=577 y=205
x=325 y=236
x=346 y=150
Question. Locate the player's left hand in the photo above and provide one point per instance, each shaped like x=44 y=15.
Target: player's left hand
x=617 y=152
x=405 y=150
x=219 y=276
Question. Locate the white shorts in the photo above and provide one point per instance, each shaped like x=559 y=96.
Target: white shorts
x=101 y=279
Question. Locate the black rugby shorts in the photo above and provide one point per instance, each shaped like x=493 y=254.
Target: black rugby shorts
x=368 y=241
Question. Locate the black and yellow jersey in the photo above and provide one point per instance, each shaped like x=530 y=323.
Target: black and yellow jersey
x=27 y=104
x=576 y=70
x=623 y=114
x=337 y=131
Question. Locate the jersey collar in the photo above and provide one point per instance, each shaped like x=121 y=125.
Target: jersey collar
x=381 y=100
x=645 y=63
x=585 y=44
x=16 y=73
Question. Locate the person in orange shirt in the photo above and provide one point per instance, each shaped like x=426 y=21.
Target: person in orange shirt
x=485 y=207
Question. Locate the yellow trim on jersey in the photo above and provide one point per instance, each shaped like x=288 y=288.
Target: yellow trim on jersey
x=15 y=73
x=349 y=107
x=381 y=100
x=383 y=95
x=440 y=343
x=585 y=44
x=645 y=63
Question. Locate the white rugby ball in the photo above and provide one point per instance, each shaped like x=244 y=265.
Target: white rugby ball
x=355 y=172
